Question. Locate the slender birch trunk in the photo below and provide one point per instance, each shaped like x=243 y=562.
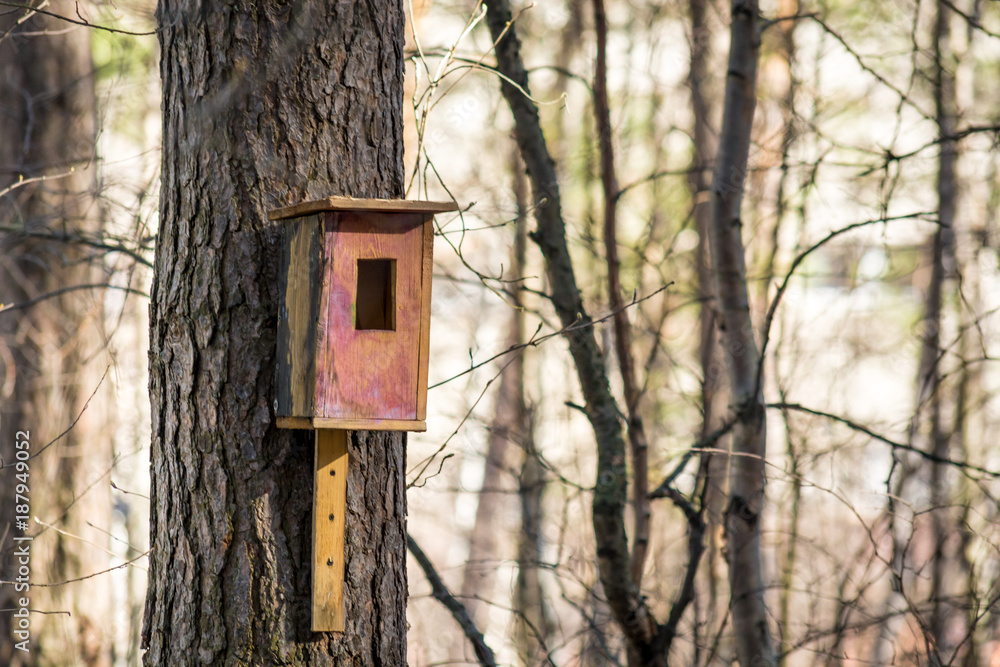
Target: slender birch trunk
x=942 y=270
x=747 y=473
x=925 y=430
x=713 y=467
x=638 y=444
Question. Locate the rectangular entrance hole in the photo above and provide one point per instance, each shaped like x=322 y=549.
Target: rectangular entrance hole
x=376 y=295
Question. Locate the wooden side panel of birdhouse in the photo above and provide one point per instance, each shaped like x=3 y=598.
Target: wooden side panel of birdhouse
x=300 y=287
x=426 y=274
x=362 y=372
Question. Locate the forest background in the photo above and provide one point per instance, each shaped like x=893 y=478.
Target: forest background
x=869 y=220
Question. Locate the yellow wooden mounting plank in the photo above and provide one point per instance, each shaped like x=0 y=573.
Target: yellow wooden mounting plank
x=329 y=519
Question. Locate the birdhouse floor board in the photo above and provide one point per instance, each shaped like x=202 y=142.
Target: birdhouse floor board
x=310 y=424
x=371 y=424
x=329 y=510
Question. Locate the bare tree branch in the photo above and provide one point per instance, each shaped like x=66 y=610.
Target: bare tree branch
x=458 y=611
x=861 y=428
x=73 y=288
x=77 y=21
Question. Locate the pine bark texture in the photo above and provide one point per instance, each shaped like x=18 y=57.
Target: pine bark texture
x=263 y=105
x=746 y=468
x=52 y=353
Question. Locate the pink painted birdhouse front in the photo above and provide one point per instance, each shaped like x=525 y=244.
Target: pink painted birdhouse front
x=354 y=319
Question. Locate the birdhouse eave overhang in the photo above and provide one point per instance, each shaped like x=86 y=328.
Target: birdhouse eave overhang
x=307 y=208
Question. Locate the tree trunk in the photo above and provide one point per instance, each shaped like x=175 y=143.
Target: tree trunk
x=53 y=353
x=534 y=623
x=926 y=431
x=480 y=573
x=263 y=105
x=747 y=474
x=713 y=467
x=638 y=444
x=647 y=645
x=943 y=269
x=509 y=419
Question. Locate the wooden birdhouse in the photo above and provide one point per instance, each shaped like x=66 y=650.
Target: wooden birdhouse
x=354 y=323
x=352 y=349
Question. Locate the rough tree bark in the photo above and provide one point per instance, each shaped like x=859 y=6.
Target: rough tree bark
x=53 y=353
x=263 y=105
x=746 y=468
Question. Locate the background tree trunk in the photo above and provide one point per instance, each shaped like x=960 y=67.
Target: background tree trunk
x=263 y=105
x=943 y=269
x=713 y=467
x=926 y=429
x=647 y=644
x=53 y=353
x=534 y=623
x=746 y=468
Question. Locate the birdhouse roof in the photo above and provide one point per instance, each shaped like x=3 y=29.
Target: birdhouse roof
x=352 y=204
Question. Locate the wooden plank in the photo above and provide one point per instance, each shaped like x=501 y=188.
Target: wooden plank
x=426 y=276
x=369 y=373
x=300 y=286
x=350 y=424
x=295 y=422
x=352 y=204
x=329 y=519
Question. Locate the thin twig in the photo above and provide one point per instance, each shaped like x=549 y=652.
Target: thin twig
x=72 y=288
x=79 y=21
x=69 y=428
x=860 y=428
x=533 y=342
x=34 y=584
